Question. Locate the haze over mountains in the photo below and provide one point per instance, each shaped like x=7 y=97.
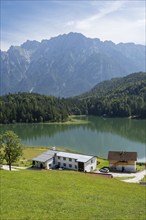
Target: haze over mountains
x=67 y=65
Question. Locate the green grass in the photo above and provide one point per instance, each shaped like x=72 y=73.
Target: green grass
x=103 y=163
x=27 y=154
x=68 y=195
x=31 y=152
x=140 y=166
x=71 y=120
x=144 y=179
x=124 y=178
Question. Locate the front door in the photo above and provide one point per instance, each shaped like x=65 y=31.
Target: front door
x=80 y=166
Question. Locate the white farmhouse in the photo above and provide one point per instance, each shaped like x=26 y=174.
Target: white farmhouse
x=52 y=158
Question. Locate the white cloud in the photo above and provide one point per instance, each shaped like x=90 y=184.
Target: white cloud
x=119 y=21
x=87 y=22
x=115 y=21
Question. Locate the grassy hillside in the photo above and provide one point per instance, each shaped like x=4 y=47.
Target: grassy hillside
x=63 y=195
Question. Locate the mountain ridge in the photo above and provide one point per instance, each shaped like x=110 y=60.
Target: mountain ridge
x=67 y=65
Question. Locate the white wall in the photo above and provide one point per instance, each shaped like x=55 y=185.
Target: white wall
x=49 y=164
x=127 y=168
x=68 y=163
x=90 y=165
x=44 y=164
x=72 y=165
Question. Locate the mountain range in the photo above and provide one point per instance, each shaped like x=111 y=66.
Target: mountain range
x=67 y=65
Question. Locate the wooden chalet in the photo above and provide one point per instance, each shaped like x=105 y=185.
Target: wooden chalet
x=122 y=161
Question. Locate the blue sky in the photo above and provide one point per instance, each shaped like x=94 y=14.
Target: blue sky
x=117 y=20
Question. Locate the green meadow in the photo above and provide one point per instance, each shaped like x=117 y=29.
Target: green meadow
x=69 y=195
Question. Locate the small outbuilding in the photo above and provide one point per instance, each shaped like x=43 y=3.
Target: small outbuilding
x=59 y=159
x=122 y=161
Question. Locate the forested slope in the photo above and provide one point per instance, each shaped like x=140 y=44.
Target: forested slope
x=27 y=107
x=120 y=97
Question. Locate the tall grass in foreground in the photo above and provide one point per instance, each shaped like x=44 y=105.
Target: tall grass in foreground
x=68 y=195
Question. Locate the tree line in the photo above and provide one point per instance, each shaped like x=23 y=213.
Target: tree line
x=32 y=108
x=121 y=97
x=115 y=98
x=29 y=108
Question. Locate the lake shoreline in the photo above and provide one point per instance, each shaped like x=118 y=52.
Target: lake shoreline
x=72 y=119
x=95 y=135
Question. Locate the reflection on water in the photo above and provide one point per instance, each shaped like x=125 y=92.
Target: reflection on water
x=97 y=137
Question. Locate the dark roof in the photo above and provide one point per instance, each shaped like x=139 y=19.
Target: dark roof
x=122 y=155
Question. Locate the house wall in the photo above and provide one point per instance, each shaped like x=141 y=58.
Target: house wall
x=67 y=163
x=47 y=165
x=129 y=166
x=90 y=165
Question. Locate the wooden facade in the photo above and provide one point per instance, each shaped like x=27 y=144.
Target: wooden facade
x=122 y=161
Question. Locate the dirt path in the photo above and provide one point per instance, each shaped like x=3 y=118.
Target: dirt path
x=13 y=168
x=138 y=177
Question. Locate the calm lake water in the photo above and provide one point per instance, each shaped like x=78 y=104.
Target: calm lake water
x=96 y=138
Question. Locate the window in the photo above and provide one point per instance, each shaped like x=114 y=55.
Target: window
x=75 y=166
x=58 y=158
x=70 y=165
x=64 y=164
x=49 y=165
x=59 y=164
x=64 y=158
x=70 y=159
x=91 y=161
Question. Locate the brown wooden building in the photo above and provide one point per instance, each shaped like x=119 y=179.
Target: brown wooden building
x=122 y=161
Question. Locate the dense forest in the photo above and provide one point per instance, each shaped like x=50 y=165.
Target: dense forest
x=30 y=107
x=120 y=97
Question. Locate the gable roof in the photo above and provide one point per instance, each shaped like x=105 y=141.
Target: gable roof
x=50 y=154
x=45 y=156
x=122 y=155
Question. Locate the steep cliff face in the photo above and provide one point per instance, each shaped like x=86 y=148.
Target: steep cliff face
x=67 y=65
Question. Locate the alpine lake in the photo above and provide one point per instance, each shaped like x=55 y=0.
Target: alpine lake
x=92 y=135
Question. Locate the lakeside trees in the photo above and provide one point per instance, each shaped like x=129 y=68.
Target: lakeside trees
x=29 y=108
x=121 y=97
x=10 y=147
x=32 y=108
